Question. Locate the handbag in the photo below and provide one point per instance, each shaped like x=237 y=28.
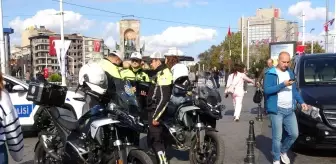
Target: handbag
x=258 y=95
x=230 y=89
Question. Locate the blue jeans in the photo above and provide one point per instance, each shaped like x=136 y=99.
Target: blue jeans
x=3 y=154
x=281 y=142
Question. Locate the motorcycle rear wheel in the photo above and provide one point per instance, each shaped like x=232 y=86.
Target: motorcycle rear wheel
x=211 y=141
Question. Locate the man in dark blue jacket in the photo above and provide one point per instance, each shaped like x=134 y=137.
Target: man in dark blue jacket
x=281 y=96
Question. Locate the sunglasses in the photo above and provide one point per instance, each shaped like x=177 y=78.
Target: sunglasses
x=135 y=60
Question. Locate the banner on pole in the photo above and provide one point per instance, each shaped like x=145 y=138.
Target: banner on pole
x=62 y=54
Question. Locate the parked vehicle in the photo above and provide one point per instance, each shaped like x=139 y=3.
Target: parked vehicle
x=209 y=100
x=26 y=109
x=102 y=135
x=316 y=81
x=186 y=127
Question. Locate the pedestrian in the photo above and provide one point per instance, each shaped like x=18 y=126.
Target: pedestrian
x=11 y=138
x=235 y=87
x=196 y=77
x=281 y=96
x=27 y=77
x=245 y=82
x=215 y=74
x=261 y=76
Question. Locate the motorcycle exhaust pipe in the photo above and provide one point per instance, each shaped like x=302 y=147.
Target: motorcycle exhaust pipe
x=43 y=140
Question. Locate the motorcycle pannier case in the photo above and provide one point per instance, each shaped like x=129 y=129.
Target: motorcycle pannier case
x=46 y=94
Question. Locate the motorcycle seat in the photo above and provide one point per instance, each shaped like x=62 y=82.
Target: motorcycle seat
x=65 y=118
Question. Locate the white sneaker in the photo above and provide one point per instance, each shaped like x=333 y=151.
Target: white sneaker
x=276 y=162
x=284 y=158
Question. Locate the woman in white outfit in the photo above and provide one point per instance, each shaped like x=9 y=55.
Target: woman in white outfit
x=235 y=87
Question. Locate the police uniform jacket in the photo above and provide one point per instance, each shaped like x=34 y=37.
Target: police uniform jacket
x=160 y=91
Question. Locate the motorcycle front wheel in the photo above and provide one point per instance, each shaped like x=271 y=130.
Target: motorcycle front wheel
x=41 y=156
x=136 y=157
x=213 y=150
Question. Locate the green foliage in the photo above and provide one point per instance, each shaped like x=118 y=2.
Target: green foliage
x=317 y=48
x=55 y=77
x=211 y=57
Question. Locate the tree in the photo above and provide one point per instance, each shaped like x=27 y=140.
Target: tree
x=211 y=57
x=317 y=48
x=55 y=77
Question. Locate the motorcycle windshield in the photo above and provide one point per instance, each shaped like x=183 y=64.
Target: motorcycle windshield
x=126 y=98
x=211 y=95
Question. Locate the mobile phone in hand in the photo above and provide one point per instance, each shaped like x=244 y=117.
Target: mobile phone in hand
x=293 y=80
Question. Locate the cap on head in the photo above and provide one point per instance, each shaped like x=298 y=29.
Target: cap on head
x=156 y=55
x=136 y=55
x=118 y=54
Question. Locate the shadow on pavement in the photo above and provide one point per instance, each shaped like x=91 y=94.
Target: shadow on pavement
x=312 y=152
x=28 y=162
x=255 y=110
x=264 y=145
x=229 y=113
x=171 y=153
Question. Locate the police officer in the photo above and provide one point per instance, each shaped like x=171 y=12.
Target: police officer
x=111 y=66
x=158 y=96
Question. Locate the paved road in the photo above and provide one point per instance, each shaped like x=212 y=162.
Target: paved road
x=234 y=135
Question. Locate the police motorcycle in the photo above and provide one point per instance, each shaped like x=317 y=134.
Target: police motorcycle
x=209 y=100
x=100 y=136
x=186 y=126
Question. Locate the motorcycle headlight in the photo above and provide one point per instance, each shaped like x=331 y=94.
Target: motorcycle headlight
x=313 y=112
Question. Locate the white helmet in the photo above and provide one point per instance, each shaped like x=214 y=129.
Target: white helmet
x=179 y=70
x=94 y=77
x=136 y=55
x=156 y=55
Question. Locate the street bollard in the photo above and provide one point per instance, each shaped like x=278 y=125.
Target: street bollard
x=250 y=157
x=259 y=116
x=251 y=136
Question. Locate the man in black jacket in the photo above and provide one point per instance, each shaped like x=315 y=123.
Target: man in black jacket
x=158 y=97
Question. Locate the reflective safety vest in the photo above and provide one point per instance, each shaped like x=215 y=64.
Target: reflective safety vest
x=127 y=74
x=141 y=76
x=164 y=77
x=110 y=68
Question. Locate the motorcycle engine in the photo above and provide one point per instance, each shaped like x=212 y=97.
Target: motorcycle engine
x=75 y=150
x=180 y=134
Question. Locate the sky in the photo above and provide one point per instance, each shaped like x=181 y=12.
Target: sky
x=190 y=25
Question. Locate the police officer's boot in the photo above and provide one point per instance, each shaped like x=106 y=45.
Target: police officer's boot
x=162 y=157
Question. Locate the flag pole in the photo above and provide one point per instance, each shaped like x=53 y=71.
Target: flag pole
x=335 y=28
x=326 y=31
x=242 y=39
x=248 y=45
x=62 y=44
x=303 y=27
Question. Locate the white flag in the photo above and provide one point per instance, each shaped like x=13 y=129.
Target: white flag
x=61 y=56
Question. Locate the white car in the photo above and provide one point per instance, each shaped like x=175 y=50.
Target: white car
x=26 y=109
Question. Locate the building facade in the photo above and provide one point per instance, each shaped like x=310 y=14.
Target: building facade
x=129 y=36
x=267 y=26
x=34 y=56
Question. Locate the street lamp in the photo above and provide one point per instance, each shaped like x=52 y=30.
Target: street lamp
x=312 y=42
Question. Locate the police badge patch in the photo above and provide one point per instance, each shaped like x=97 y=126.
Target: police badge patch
x=128 y=90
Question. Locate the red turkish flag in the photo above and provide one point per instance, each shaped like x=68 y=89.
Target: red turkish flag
x=52 y=50
x=300 y=48
x=276 y=13
x=96 y=44
x=45 y=72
